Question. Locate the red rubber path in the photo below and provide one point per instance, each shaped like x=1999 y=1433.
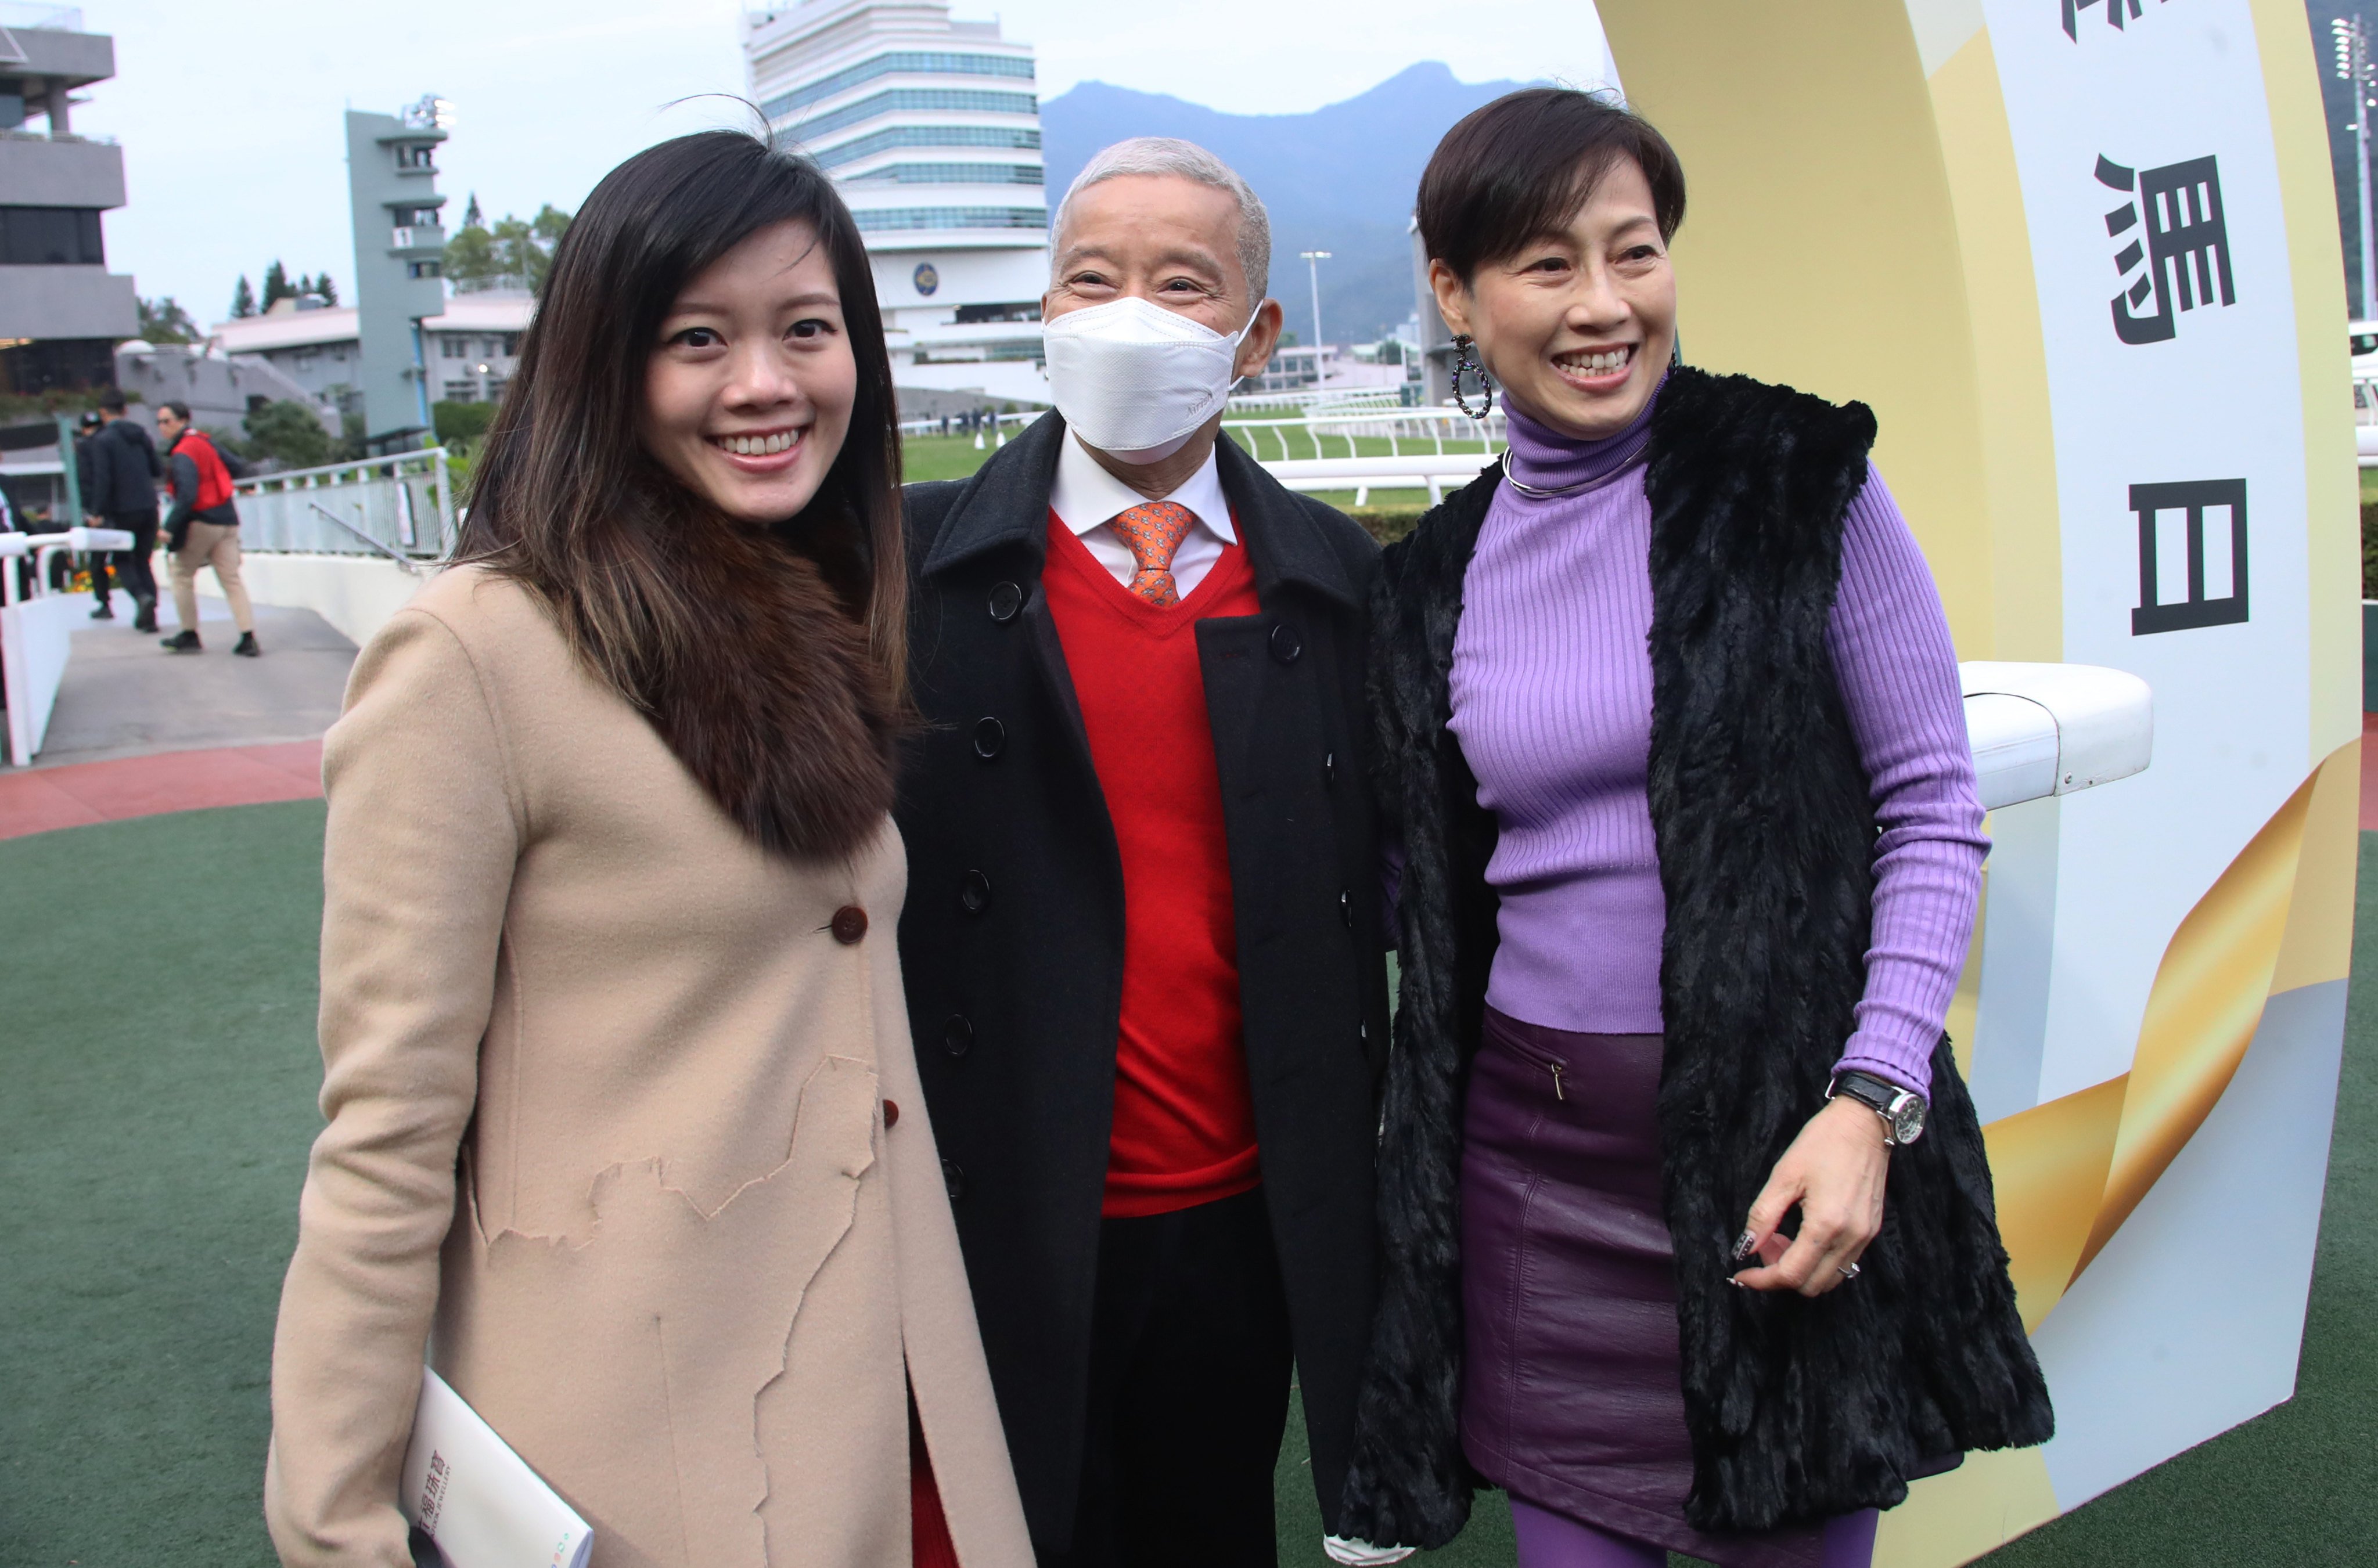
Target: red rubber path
x=37 y=801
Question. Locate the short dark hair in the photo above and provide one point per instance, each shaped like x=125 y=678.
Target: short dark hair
x=181 y=410
x=1520 y=168
x=112 y=400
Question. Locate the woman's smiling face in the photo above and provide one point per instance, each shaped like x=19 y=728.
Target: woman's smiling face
x=1576 y=328
x=749 y=390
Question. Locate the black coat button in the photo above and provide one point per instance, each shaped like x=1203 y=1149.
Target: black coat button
x=1006 y=599
x=848 y=925
x=1285 y=643
x=990 y=739
x=954 y=1178
x=957 y=1034
x=1346 y=907
x=974 y=892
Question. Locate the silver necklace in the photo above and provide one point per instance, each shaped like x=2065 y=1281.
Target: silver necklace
x=1546 y=491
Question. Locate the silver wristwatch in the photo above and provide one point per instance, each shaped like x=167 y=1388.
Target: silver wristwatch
x=1902 y=1111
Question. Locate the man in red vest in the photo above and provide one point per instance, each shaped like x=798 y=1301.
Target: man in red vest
x=1142 y=938
x=201 y=531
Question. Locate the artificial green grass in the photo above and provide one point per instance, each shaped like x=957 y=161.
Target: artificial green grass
x=157 y=1081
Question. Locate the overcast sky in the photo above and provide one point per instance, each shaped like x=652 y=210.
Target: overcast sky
x=230 y=115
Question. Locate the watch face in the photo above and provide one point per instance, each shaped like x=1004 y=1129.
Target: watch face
x=1907 y=1120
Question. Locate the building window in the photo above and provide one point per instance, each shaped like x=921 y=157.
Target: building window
x=423 y=270
x=909 y=101
x=51 y=237
x=302 y=363
x=1006 y=137
x=912 y=63
x=56 y=364
x=462 y=391
x=408 y=217
x=415 y=155
x=492 y=348
x=1017 y=310
x=451 y=347
x=954 y=174
x=496 y=385
x=878 y=220
x=512 y=346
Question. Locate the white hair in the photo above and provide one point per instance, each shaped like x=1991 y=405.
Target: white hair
x=1170 y=155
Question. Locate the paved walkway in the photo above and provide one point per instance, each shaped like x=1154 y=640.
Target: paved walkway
x=138 y=731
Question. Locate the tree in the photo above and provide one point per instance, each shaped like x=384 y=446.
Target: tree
x=515 y=250
x=163 y=321
x=243 y=299
x=327 y=289
x=461 y=424
x=289 y=431
x=471 y=218
x=471 y=256
x=276 y=286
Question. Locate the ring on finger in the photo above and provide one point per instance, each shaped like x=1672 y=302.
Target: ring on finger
x=1849 y=1270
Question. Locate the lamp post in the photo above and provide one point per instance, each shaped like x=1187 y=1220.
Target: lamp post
x=1312 y=261
x=2353 y=65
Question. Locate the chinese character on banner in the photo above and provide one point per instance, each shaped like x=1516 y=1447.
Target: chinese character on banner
x=2185 y=249
x=2114 y=18
x=2194 y=499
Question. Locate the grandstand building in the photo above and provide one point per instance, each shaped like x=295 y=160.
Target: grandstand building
x=931 y=130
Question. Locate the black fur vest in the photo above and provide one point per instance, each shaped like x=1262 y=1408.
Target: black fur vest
x=1798 y=1409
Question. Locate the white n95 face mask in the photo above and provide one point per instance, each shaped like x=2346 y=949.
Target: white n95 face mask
x=1135 y=380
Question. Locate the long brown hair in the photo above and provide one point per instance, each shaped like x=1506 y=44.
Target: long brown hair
x=738 y=643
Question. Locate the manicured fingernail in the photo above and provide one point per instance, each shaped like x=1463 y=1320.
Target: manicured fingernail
x=1738 y=1284
x=1743 y=1244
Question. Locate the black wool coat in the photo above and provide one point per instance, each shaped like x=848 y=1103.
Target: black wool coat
x=1798 y=1409
x=1011 y=937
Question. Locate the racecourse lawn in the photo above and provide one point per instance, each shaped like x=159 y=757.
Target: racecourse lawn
x=156 y=1053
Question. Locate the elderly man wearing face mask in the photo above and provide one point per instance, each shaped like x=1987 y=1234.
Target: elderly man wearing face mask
x=1142 y=940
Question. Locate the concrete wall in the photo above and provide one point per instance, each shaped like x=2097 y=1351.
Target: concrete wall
x=216 y=390
x=66 y=302
x=354 y=593
x=35 y=172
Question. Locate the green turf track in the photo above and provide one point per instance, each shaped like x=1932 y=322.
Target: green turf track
x=155 y=1107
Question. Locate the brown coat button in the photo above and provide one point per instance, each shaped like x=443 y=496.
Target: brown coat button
x=849 y=923
x=891 y=1115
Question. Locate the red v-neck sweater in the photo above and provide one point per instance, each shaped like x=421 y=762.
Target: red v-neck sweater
x=1184 y=1126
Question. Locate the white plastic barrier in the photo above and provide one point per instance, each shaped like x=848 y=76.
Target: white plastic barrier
x=2041 y=730
x=37 y=635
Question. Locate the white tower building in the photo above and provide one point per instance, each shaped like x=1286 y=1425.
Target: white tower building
x=931 y=130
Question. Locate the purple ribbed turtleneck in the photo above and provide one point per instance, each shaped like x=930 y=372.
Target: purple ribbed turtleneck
x=1552 y=704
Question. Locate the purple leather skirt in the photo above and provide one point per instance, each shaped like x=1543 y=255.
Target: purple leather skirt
x=1570 y=1393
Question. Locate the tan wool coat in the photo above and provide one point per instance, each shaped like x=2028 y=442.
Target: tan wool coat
x=612 y=1133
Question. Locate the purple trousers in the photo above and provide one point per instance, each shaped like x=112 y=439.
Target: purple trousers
x=1571 y=1397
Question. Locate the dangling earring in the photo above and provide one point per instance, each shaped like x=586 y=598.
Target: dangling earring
x=1463 y=359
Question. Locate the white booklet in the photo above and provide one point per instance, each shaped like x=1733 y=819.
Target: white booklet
x=476 y=1500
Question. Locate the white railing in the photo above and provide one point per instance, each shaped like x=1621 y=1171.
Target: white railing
x=1339 y=449
x=400 y=506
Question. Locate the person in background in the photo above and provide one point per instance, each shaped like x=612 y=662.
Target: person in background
x=624 y=1120
x=201 y=531
x=1142 y=938
x=121 y=492
x=1669 y=720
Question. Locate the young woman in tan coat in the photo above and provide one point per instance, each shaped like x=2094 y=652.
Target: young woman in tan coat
x=624 y=1127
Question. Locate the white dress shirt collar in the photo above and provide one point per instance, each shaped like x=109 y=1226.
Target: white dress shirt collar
x=1086 y=496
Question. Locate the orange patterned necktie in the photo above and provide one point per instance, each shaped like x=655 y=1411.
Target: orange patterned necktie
x=1154 y=529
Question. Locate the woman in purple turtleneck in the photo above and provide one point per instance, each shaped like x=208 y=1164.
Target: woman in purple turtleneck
x=1688 y=1229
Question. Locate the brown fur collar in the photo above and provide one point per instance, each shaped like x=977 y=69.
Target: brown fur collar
x=752 y=662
